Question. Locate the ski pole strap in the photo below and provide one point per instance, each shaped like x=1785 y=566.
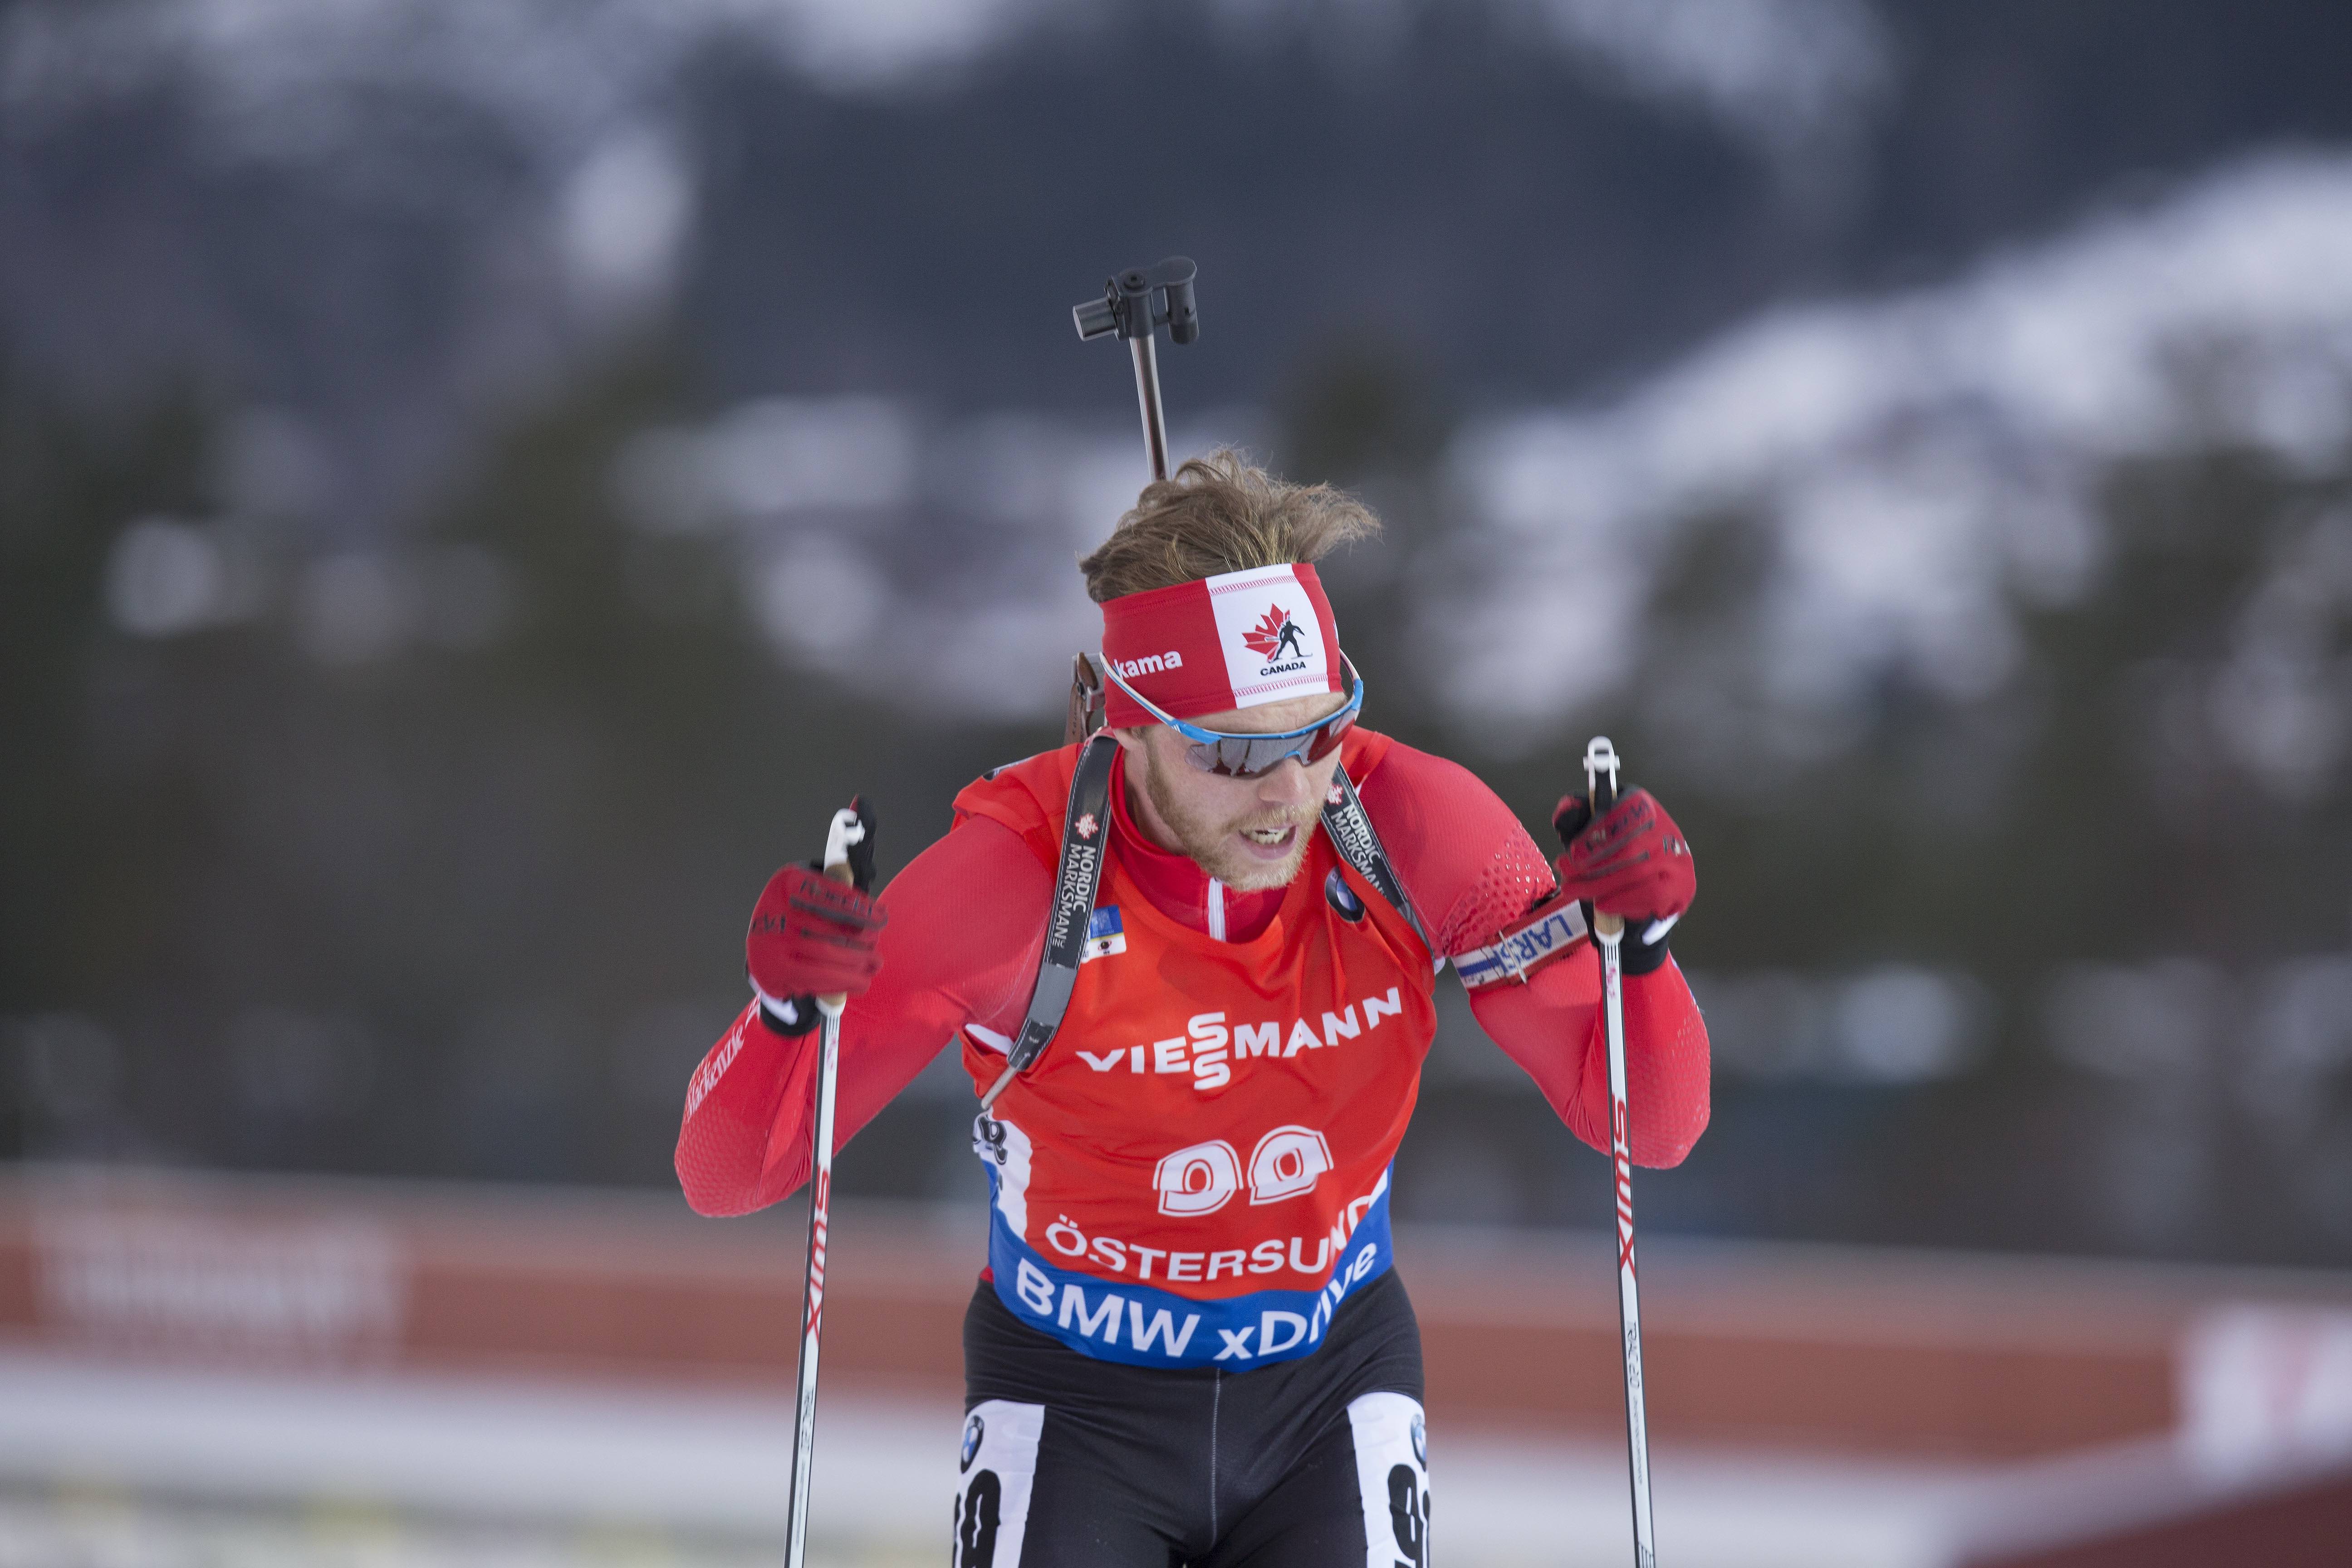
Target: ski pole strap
x=1086 y=827
x=1551 y=930
x=1351 y=834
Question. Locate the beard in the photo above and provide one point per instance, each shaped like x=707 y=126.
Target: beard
x=1210 y=841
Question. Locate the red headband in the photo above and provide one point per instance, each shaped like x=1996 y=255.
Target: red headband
x=1230 y=641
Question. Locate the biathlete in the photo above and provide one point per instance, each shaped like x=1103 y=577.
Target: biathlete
x=1188 y=1345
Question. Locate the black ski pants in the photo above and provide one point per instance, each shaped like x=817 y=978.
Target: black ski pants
x=1071 y=1462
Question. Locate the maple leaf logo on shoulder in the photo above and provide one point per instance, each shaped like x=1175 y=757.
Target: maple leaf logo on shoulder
x=1276 y=636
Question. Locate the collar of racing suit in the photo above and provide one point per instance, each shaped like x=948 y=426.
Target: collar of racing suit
x=1174 y=881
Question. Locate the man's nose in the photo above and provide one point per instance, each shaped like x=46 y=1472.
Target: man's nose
x=1286 y=786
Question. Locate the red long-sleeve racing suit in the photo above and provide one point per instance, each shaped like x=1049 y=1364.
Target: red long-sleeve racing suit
x=960 y=953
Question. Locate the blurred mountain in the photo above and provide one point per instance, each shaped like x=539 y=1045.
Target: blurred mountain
x=390 y=219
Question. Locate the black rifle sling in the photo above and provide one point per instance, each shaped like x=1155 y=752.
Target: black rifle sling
x=1086 y=829
x=1352 y=835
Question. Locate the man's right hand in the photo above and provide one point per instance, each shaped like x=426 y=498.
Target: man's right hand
x=811 y=936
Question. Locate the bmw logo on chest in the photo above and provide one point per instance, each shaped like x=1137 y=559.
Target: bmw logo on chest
x=1342 y=898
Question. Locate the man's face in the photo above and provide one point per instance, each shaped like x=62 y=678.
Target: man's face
x=1249 y=833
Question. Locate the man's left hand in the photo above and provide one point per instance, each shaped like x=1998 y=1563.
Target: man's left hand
x=1633 y=862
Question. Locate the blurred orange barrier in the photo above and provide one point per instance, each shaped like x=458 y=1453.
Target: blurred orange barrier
x=2307 y=1526
x=1755 y=1345
x=2166 y=1505
x=1770 y=1345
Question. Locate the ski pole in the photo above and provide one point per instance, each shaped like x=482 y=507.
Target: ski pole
x=851 y=828
x=1136 y=304
x=1609 y=931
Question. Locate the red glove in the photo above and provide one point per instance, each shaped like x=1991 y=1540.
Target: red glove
x=1633 y=862
x=811 y=936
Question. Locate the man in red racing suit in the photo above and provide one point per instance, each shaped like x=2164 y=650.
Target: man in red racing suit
x=1189 y=1251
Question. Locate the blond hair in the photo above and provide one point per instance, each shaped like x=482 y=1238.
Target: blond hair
x=1221 y=513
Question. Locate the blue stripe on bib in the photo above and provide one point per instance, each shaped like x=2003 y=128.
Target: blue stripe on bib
x=1143 y=1326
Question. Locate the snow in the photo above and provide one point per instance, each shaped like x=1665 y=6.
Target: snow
x=117 y=1465
x=1919 y=464
x=471 y=1470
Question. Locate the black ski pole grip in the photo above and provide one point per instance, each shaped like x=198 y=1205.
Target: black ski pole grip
x=849 y=859
x=1601 y=763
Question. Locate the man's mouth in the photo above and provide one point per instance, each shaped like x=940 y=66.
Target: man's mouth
x=1270 y=843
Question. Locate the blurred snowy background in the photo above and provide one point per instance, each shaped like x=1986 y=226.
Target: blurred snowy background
x=478 y=480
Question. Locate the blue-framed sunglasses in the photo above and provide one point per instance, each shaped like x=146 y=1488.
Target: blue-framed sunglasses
x=1254 y=756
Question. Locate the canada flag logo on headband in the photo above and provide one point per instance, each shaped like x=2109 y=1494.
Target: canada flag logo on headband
x=1276 y=637
x=1274 y=633
x=1234 y=640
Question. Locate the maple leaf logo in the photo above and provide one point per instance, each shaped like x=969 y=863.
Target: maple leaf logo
x=1086 y=826
x=1266 y=635
x=1275 y=634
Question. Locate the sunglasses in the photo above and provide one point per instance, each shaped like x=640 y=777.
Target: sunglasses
x=1255 y=756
